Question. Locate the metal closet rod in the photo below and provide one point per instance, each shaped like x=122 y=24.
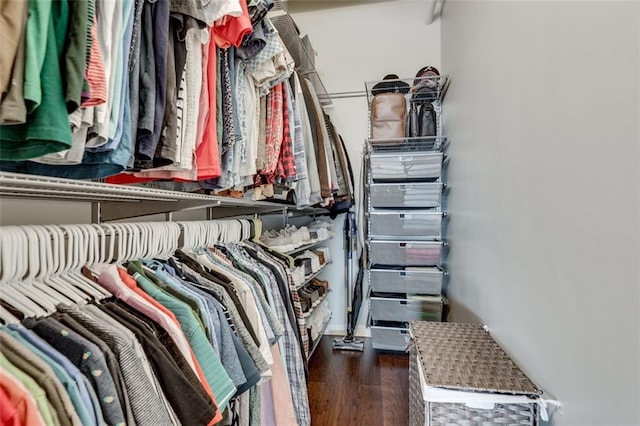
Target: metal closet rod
x=344 y=95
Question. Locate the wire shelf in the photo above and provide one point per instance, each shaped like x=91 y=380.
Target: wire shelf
x=127 y=201
x=433 y=88
x=428 y=143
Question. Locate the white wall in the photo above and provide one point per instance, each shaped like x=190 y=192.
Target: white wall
x=357 y=42
x=543 y=114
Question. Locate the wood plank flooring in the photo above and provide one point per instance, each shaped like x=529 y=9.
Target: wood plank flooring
x=358 y=388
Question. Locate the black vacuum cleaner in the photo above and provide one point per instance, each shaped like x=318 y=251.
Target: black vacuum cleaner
x=354 y=291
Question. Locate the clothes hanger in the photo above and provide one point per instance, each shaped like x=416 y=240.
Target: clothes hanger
x=40 y=303
x=9 y=268
x=170 y=243
x=121 y=243
x=128 y=241
x=48 y=298
x=7 y=317
x=100 y=249
x=152 y=237
x=142 y=242
x=46 y=263
x=38 y=261
x=88 y=252
x=76 y=248
x=60 y=254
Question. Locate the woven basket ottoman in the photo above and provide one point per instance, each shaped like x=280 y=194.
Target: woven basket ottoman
x=459 y=375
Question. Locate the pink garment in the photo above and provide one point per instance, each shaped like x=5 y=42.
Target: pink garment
x=230 y=30
x=203 y=102
x=95 y=74
x=207 y=155
x=17 y=406
x=267 y=406
x=282 y=399
x=274 y=129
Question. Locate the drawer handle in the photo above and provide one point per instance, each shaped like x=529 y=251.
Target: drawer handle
x=404 y=302
x=402 y=244
x=404 y=331
x=406 y=187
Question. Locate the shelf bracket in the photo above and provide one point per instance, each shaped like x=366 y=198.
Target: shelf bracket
x=96 y=212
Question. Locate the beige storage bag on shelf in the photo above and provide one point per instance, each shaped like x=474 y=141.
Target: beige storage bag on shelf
x=388 y=117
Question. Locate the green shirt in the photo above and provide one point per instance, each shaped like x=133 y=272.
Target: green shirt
x=217 y=377
x=47 y=128
x=37 y=34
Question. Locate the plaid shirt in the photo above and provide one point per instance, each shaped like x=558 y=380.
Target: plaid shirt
x=271 y=323
x=274 y=130
x=289 y=347
x=286 y=168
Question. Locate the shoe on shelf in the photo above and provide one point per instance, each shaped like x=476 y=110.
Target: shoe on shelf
x=320 y=283
x=305 y=303
x=321 y=290
x=309 y=293
x=298 y=275
x=320 y=255
x=305 y=263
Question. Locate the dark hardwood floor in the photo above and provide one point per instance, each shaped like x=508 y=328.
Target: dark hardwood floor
x=358 y=388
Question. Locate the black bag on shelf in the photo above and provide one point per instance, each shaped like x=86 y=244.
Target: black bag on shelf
x=421 y=119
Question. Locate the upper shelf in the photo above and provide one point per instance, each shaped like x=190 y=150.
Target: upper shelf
x=125 y=201
x=433 y=88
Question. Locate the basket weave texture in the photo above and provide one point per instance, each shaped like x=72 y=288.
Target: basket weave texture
x=464 y=356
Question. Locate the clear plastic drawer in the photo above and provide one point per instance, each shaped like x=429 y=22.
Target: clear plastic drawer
x=424 y=225
x=406 y=195
x=414 y=253
x=406 y=167
x=408 y=280
x=401 y=307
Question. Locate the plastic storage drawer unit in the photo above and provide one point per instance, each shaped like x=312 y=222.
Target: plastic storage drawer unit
x=399 y=307
x=406 y=167
x=403 y=253
x=406 y=195
x=397 y=224
x=409 y=280
x=389 y=336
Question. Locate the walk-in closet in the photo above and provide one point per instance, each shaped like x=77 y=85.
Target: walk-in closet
x=319 y=213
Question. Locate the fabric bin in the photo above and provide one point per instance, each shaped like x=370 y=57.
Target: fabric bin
x=423 y=195
x=403 y=253
x=406 y=166
x=389 y=336
x=400 y=307
x=458 y=375
x=408 y=280
x=397 y=224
